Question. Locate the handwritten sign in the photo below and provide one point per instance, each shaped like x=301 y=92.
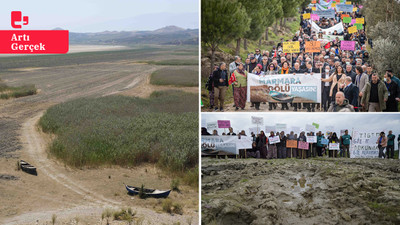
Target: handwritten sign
x=274 y=140
x=306 y=16
x=347 y=45
x=334 y=146
x=313 y=46
x=353 y=21
x=364 y=144
x=346 y=19
x=352 y=29
x=257 y=120
x=314 y=8
x=291 y=47
x=324 y=141
x=360 y=20
x=344 y=15
x=348 y=3
x=313 y=1
x=312 y=139
x=354 y=9
x=314 y=17
x=359 y=26
x=212 y=126
x=224 y=123
x=333 y=5
x=291 y=144
x=303 y=145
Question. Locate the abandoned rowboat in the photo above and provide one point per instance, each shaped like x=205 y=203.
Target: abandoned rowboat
x=153 y=193
x=28 y=168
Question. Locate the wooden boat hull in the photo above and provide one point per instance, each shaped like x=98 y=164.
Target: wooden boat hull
x=283 y=98
x=150 y=193
x=27 y=168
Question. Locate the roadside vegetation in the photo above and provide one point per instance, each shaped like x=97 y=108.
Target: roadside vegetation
x=128 y=131
x=181 y=77
x=7 y=92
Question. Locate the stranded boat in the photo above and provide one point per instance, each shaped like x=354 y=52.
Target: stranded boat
x=152 y=193
x=28 y=168
x=284 y=98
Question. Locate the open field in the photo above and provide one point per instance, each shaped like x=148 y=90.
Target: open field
x=59 y=189
x=184 y=76
x=292 y=191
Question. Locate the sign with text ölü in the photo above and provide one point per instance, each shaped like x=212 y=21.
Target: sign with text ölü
x=224 y=123
x=291 y=47
x=313 y=46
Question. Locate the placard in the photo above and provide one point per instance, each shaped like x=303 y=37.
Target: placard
x=303 y=145
x=257 y=120
x=324 y=141
x=313 y=46
x=316 y=125
x=306 y=16
x=334 y=146
x=344 y=8
x=360 y=20
x=314 y=17
x=347 y=45
x=330 y=13
x=212 y=125
x=224 y=123
x=359 y=26
x=274 y=140
x=312 y=139
x=255 y=130
x=363 y=144
x=346 y=19
x=353 y=21
x=291 y=47
x=352 y=29
x=291 y=143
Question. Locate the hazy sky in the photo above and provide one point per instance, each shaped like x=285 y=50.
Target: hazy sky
x=364 y=121
x=100 y=15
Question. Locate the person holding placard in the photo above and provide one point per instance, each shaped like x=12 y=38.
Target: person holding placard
x=382 y=142
x=302 y=137
x=333 y=139
x=320 y=146
x=345 y=140
x=272 y=151
x=292 y=151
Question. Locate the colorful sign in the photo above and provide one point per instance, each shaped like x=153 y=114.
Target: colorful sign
x=257 y=120
x=299 y=88
x=274 y=140
x=359 y=26
x=347 y=45
x=352 y=29
x=334 y=146
x=360 y=20
x=291 y=47
x=314 y=17
x=316 y=125
x=324 y=141
x=330 y=13
x=306 y=16
x=291 y=143
x=313 y=46
x=312 y=139
x=224 y=123
x=303 y=145
x=344 y=8
x=346 y=19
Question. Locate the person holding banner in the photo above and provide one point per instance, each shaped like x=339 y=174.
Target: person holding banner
x=382 y=142
x=239 y=81
x=345 y=140
x=262 y=144
x=272 y=151
x=333 y=139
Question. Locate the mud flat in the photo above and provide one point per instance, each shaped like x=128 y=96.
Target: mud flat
x=291 y=191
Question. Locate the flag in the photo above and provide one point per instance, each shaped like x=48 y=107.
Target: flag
x=327 y=45
x=232 y=79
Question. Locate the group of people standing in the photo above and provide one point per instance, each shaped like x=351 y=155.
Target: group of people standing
x=348 y=80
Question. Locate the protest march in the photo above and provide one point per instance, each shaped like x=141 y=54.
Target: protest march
x=325 y=66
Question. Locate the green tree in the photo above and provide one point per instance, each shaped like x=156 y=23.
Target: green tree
x=275 y=11
x=289 y=8
x=222 y=22
x=376 y=11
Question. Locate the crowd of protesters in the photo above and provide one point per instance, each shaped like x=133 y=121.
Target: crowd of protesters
x=261 y=148
x=348 y=80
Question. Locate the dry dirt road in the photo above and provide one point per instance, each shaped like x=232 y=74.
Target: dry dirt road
x=294 y=191
x=73 y=195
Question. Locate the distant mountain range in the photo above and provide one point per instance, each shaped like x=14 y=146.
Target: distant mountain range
x=169 y=35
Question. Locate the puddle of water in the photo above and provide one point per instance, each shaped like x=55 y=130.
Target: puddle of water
x=301 y=184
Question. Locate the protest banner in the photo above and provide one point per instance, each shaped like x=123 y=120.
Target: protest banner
x=280 y=126
x=330 y=13
x=352 y=29
x=306 y=16
x=230 y=144
x=291 y=144
x=203 y=122
x=334 y=146
x=224 y=123
x=268 y=129
x=359 y=26
x=303 y=145
x=338 y=27
x=257 y=120
x=344 y=8
x=312 y=139
x=332 y=37
x=274 y=140
x=291 y=47
x=347 y=45
x=314 y=17
x=324 y=141
x=360 y=20
x=310 y=127
x=313 y=46
x=346 y=19
x=212 y=125
x=284 y=88
x=363 y=144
